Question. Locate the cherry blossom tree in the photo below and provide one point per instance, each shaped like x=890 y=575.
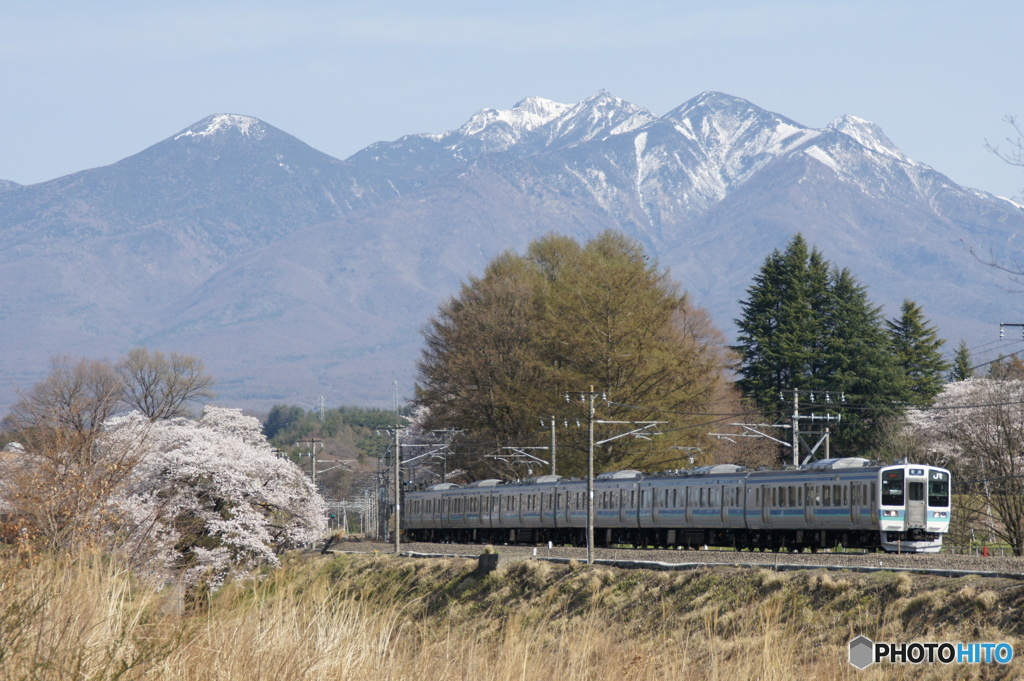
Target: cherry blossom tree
x=209 y=496
x=976 y=428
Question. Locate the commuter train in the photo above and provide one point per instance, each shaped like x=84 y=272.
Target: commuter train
x=849 y=502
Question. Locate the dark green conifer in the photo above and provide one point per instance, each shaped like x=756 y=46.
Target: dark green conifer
x=917 y=349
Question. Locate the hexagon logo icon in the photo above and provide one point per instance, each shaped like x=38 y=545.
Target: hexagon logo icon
x=862 y=652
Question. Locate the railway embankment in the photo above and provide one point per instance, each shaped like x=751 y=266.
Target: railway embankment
x=373 y=615
x=757 y=620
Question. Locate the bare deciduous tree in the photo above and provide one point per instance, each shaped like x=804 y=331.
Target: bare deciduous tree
x=161 y=387
x=56 y=487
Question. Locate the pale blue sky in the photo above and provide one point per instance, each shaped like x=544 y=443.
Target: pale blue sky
x=86 y=84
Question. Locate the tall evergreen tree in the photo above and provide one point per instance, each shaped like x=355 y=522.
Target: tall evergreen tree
x=808 y=325
x=778 y=335
x=962 y=364
x=917 y=348
x=857 y=362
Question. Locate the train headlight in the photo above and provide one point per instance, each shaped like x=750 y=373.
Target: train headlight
x=891 y=514
x=940 y=514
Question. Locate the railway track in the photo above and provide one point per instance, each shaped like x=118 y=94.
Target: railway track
x=939 y=564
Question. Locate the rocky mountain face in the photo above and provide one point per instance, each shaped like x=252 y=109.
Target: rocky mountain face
x=293 y=274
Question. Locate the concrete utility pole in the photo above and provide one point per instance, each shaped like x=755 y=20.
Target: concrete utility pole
x=554 y=471
x=640 y=429
x=312 y=442
x=590 y=479
x=796 y=427
x=825 y=417
x=398 y=492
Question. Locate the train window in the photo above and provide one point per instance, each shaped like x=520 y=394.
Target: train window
x=792 y=496
x=675 y=498
x=846 y=497
x=757 y=497
x=915 y=491
x=826 y=495
x=892 y=487
x=799 y=496
x=938 y=489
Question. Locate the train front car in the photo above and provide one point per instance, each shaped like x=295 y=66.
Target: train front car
x=914 y=508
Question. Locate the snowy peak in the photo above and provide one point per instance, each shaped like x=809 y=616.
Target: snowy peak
x=868 y=135
x=719 y=121
x=222 y=124
x=536 y=111
x=497 y=130
x=598 y=116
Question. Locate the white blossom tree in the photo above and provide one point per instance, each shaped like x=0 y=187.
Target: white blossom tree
x=976 y=428
x=209 y=496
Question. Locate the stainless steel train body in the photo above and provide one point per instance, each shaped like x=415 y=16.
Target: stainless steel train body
x=850 y=502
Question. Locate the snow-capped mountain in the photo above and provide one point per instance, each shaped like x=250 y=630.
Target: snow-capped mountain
x=294 y=274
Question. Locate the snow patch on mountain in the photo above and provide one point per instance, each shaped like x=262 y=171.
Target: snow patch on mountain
x=822 y=156
x=219 y=123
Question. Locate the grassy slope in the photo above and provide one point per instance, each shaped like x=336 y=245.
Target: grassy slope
x=363 y=617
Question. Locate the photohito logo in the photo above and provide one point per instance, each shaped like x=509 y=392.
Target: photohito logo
x=864 y=652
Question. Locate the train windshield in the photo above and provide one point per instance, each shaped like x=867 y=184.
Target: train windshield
x=892 y=487
x=938 y=489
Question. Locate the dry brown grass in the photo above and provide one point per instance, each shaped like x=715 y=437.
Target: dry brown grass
x=359 y=617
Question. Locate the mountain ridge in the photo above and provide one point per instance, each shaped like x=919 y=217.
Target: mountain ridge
x=295 y=274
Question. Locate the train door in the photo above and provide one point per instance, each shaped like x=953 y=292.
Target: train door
x=809 y=504
x=855 y=503
x=724 y=501
x=691 y=497
x=766 y=506
x=915 y=503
